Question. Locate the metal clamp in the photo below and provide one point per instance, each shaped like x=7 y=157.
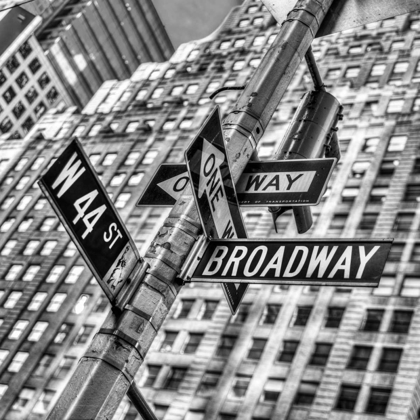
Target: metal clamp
x=193 y=259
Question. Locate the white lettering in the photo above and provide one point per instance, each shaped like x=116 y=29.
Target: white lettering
x=364 y=259
x=304 y=250
x=96 y=215
x=218 y=259
x=234 y=259
x=68 y=175
x=322 y=260
x=344 y=263
x=88 y=198
x=263 y=250
x=275 y=263
x=108 y=238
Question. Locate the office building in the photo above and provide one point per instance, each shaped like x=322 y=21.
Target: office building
x=290 y=352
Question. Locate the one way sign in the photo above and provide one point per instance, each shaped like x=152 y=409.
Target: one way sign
x=214 y=192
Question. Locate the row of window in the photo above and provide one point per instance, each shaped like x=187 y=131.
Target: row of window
x=13 y=63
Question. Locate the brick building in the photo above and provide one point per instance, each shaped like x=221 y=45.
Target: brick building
x=290 y=352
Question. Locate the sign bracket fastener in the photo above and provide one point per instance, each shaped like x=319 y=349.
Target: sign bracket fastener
x=193 y=259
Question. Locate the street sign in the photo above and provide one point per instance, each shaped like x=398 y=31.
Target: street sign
x=214 y=192
x=337 y=262
x=347 y=14
x=299 y=182
x=82 y=204
x=166 y=185
x=293 y=182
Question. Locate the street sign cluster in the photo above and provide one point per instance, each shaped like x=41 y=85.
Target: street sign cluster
x=82 y=204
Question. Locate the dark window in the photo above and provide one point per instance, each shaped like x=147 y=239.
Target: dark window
x=270 y=314
x=390 y=360
x=403 y=221
x=302 y=315
x=44 y=80
x=334 y=316
x=43 y=365
x=25 y=49
x=6 y=125
x=208 y=383
x=257 y=348
x=183 y=308
x=40 y=109
x=396 y=252
x=34 y=65
x=240 y=386
x=174 y=379
x=242 y=314
x=63 y=333
x=225 y=345
x=378 y=400
x=31 y=95
x=64 y=367
x=168 y=341
x=289 y=350
x=348 y=397
x=368 y=221
x=306 y=393
x=101 y=305
x=321 y=353
x=83 y=334
x=372 y=320
x=412 y=192
x=359 y=357
x=28 y=124
x=209 y=308
x=152 y=373
x=18 y=110
x=12 y=64
x=9 y=94
x=2 y=78
x=22 y=79
x=400 y=322
x=193 y=343
x=52 y=95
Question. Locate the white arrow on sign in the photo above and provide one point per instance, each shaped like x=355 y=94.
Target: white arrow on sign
x=176 y=185
x=211 y=183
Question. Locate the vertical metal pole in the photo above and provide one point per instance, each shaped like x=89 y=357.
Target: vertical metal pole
x=106 y=372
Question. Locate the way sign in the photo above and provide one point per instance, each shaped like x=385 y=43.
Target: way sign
x=299 y=182
x=86 y=211
x=341 y=262
x=214 y=192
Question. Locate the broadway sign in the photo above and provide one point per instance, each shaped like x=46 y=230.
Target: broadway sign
x=338 y=262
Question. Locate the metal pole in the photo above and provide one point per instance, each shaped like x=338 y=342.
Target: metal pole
x=140 y=403
x=106 y=372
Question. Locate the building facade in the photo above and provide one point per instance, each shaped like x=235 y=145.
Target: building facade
x=290 y=352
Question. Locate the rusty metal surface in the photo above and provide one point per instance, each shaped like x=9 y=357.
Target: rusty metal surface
x=348 y=14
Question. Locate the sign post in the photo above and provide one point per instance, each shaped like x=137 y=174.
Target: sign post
x=214 y=192
x=82 y=204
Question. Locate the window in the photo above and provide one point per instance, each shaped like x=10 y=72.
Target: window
x=37 y=163
x=359 y=168
x=135 y=179
x=212 y=86
x=168 y=341
x=18 y=110
x=378 y=70
x=74 y=274
x=258 y=21
x=43 y=365
x=177 y=90
x=390 y=359
x=272 y=390
x=359 y=357
x=240 y=386
x=186 y=123
x=8 y=247
x=372 y=320
x=40 y=109
x=149 y=157
x=370 y=145
x=52 y=95
x=3 y=357
x=25 y=49
x=400 y=67
x=34 y=65
x=47 y=224
x=256 y=349
x=191 y=89
x=141 y=95
x=333 y=74
x=386 y=287
x=378 y=194
x=207 y=309
x=378 y=400
x=109 y=159
x=152 y=371
x=7 y=224
x=13 y=272
x=396 y=143
x=55 y=273
x=12 y=300
x=37 y=331
x=168 y=125
x=238 y=65
x=70 y=250
x=400 y=322
x=183 y=308
x=208 y=383
x=12 y=64
x=117 y=179
x=334 y=316
x=64 y=367
x=56 y=302
x=44 y=80
x=349 y=194
x=410 y=287
x=244 y=22
x=352 y=72
x=301 y=316
x=48 y=248
x=44 y=401
x=270 y=314
x=18 y=361
x=157 y=93
x=30 y=248
x=62 y=333
x=306 y=393
x=242 y=314
x=194 y=341
x=348 y=397
x=94 y=158
x=321 y=354
x=79 y=130
x=258 y=41
x=18 y=329
x=31 y=95
x=6 y=125
x=101 y=305
x=83 y=335
x=174 y=378
x=395 y=106
x=122 y=200
x=22 y=182
x=289 y=350
x=80 y=305
x=37 y=301
x=94 y=130
x=226 y=344
x=25 y=395
x=396 y=252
